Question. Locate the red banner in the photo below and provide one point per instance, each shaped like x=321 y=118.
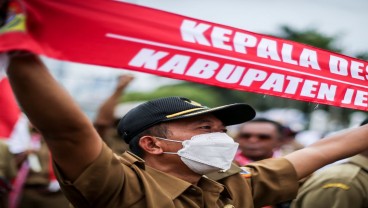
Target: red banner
x=122 y=35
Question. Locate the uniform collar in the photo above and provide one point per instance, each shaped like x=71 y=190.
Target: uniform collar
x=134 y=159
x=361 y=161
x=172 y=185
x=166 y=181
x=218 y=175
x=210 y=185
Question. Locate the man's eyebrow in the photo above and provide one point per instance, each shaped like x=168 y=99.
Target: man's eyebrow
x=203 y=121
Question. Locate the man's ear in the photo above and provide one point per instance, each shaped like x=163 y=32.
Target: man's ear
x=151 y=145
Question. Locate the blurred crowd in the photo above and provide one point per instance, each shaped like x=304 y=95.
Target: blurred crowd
x=27 y=179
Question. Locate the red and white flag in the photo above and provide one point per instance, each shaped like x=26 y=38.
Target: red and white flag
x=122 y=35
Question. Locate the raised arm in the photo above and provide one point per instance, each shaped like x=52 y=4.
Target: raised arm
x=328 y=150
x=70 y=135
x=105 y=114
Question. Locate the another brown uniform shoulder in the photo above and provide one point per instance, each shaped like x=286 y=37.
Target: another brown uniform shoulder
x=338 y=186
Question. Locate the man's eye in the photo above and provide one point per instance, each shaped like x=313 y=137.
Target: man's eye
x=205 y=127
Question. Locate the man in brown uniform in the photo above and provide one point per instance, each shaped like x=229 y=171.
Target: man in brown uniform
x=40 y=189
x=172 y=135
x=7 y=173
x=338 y=186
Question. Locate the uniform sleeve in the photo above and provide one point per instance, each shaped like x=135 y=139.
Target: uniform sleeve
x=334 y=194
x=272 y=181
x=105 y=183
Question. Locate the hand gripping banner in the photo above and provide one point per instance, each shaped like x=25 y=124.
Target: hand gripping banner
x=122 y=35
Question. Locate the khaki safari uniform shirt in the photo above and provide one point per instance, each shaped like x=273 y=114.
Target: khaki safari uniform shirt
x=339 y=186
x=125 y=181
x=7 y=172
x=7 y=163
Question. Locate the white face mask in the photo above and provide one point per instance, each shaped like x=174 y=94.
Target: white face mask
x=205 y=153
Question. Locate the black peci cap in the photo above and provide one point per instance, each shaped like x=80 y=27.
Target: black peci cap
x=161 y=110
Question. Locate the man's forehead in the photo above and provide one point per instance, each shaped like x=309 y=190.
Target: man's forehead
x=258 y=125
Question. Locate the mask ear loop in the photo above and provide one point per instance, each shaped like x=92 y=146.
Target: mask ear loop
x=170 y=140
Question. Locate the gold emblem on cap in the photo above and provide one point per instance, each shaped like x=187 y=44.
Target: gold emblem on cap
x=194 y=103
x=229 y=206
x=182 y=112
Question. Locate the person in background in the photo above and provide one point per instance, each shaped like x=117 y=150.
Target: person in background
x=337 y=186
x=37 y=186
x=288 y=143
x=258 y=139
x=7 y=173
x=105 y=121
